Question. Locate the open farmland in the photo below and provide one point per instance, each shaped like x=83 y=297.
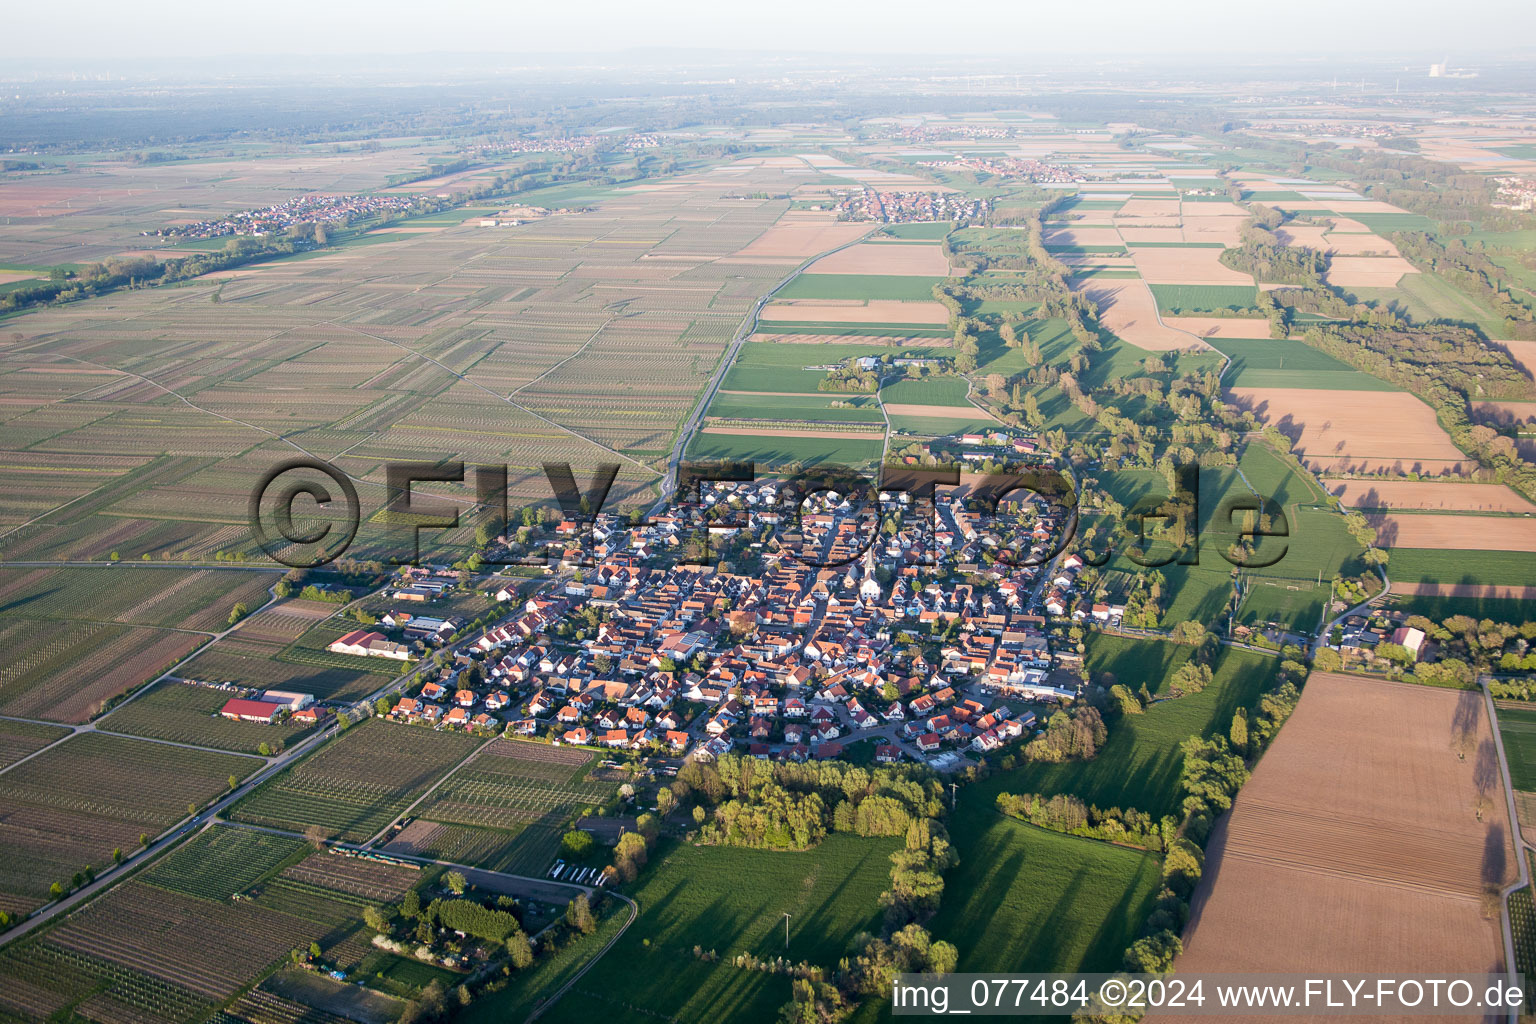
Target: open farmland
x=1468 y=532
x=1129 y=310
x=1429 y=496
x=1361 y=431
x=251 y=655
x=356 y=785
x=1361 y=803
x=188 y=713
x=78 y=638
x=20 y=739
x=173 y=943
x=71 y=805
x=733 y=900
x=519 y=796
x=520 y=345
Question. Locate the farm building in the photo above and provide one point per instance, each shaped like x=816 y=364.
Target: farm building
x=368 y=644
x=242 y=710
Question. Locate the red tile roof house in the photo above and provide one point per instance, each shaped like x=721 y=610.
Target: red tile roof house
x=578 y=736
x=887 y=754
x=928 y=742
x=242 y=710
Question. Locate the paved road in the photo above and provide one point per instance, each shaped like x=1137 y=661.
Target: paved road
x=1511 y=964
x=171 y=837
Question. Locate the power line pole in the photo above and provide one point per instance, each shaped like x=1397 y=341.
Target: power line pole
x=786 y=929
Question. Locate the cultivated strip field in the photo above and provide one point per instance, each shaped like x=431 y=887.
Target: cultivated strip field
x=71 y=805
x=1428 y=495
x=356 y=785
x=1129 y=310
x=1364 y=431
x=507 y=808
x=1357 y=846
x=1471 y=533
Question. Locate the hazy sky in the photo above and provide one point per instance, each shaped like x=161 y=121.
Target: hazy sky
x=88 y=30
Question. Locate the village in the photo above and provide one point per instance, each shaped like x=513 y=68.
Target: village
x=901 y=207
x=857 y=640
x=314 y=208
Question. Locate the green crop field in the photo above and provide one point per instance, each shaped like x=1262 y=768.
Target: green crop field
x=1282 y=363
x=780 y=367
x=1191 y=298
x=730 y=405
x=1517 y=727
x=780 y=450
x=733 y=900
x=1434 y=565
x=355 y=785
x=1024 y=899
x=938 y=426
x=859 y=286
x=92 y=793
x=929 y=391
x=187 y=713
x=19 y=739
x=1139 y=764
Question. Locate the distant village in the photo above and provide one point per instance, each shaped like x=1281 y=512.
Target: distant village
x=313 y=208
x=889 y=206
x=1019 y=168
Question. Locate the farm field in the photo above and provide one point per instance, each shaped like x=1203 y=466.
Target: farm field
x=356 y=785
x=1428 y=496
x=1517 y=728
x=1194 y=298
x=1129 y=311
x=780 y=367
x=78 y=638
x=1361 y=802
x=171 y=944
x=449 y=342
x=256 y=654
x=511 y=803
x=1025 y=899
x=187 y=713
x=19 y=739
x=71 y=805
x=875 y=287
x=1273 y=363
x=769 y=449
x=1465 y=532
x=733 y=900
x=1360 y=431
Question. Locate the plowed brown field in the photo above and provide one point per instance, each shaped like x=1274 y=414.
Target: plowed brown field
x=1356 y=846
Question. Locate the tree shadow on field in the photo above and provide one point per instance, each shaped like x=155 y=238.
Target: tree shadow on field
x=1495 y=856
x=1465 y=719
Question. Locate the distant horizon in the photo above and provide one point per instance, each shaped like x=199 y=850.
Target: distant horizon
x=1030 y=35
